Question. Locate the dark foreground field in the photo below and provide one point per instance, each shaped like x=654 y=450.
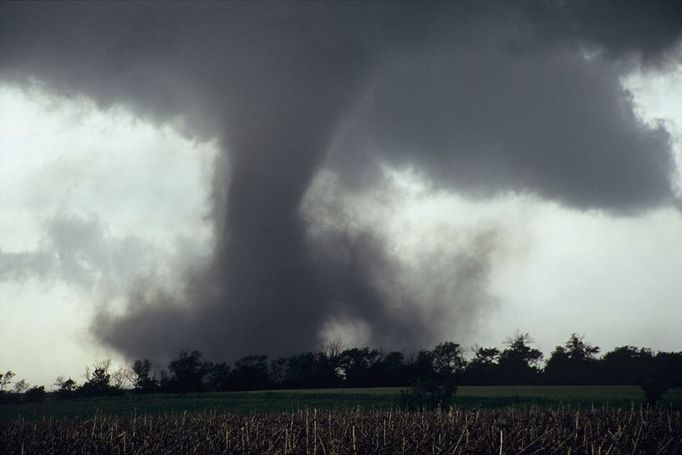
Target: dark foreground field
x=502 y=431
x=489 y=397
x=505 y=419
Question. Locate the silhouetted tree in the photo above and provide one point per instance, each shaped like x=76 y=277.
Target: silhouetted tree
x=356 y=366
x=332 y=349
x=391 y=371
x=669 y=366
x=482 y=369
x=251 y=373
x=448 y=360
x=123 y=378
x=422 y=366
x=434 y=374
x=5 y=380
x=185 y=373
x=327 y=367
x=143 y=379
x=437 y=374
x=301 y=371
x=35 y=394
x=625 y=365
x=518 y=363
x=20 y=386
x=218 y=377
x=665 y=371
x=486 y=356
x=279 y=374
x=66 y=387
x=573 y=363
x=308 y=370
x=577 y=349
x=15 y=392
x=98 y=381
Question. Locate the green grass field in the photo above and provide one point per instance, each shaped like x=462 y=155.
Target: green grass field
x=283 y=400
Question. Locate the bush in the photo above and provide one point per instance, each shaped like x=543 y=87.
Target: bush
x=429 y=394
x=654 y=388
x=35 y=394
x=67 y=388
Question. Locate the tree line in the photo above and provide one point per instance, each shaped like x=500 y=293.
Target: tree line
x=576 y=362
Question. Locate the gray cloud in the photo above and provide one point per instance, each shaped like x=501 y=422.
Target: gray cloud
x=25 y=265
x=78 y=250
x=482 y=97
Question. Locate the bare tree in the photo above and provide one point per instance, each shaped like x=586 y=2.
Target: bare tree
x=6 y=379
x=333 y=349
x=21 y=386
x=123 y=377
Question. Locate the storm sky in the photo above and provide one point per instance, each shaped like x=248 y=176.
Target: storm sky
x=267 y=177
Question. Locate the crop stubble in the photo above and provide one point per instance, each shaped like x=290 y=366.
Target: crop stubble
x=351 y=431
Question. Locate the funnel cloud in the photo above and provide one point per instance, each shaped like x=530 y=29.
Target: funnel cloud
x=481 y=98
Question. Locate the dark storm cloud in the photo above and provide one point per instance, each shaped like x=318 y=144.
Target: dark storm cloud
x=650 y=30
x=513 y=103
x=482 y=97
x=487 y=121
